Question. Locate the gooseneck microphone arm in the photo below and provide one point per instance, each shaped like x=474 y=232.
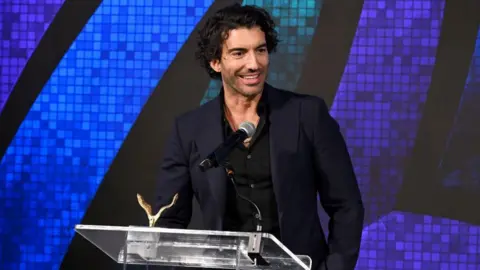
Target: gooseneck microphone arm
x=231 y=176
x=255 y=245
x=220 y=154
x=219 y=158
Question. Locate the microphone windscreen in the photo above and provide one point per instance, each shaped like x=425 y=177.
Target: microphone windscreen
x=248 y=127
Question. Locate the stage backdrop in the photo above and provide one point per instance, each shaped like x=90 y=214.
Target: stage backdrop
x=89 y=90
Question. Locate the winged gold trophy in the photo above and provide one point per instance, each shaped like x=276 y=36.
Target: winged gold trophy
x=152 y=219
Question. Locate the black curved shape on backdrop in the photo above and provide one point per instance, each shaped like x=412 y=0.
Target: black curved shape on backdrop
x=62 y=32
x=328 y=55
x=422 y=190
x=330 y=48
x=136 y=165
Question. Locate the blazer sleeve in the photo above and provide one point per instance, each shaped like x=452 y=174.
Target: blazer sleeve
x=174 y=178
x=338 y=189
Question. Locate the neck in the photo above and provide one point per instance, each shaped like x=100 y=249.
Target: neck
x=241 y=105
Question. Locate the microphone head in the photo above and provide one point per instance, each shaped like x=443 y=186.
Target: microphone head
x=248 y=127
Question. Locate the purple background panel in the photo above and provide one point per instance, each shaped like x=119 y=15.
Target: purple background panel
x=22 y=25
x=383 y=90
x=412 y=241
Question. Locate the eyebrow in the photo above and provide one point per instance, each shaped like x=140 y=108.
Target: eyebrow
x=243 y=49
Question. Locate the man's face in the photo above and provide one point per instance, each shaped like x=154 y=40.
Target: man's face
x=244 y=61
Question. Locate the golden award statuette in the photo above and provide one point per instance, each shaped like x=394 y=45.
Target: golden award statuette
x=152 y=219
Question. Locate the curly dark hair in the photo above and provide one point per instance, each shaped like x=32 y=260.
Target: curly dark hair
x=217 y=27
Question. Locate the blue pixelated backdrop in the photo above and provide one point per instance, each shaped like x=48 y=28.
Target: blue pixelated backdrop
x=67 y=141
x=77 y=124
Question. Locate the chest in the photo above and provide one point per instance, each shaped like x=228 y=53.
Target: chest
x=252 y=163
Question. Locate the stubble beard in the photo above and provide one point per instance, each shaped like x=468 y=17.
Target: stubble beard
x=233 y=85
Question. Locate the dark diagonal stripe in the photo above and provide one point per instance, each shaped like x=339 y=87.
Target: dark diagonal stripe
x=422 y=191
x=136 y=165
x=64 y=29
x=330 y=48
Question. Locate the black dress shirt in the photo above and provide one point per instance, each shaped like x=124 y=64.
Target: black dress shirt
x=253 y=180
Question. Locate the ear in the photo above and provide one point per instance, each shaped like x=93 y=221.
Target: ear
x=215 y=65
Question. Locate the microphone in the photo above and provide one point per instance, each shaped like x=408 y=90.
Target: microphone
x=255 y=246
x=218 y=156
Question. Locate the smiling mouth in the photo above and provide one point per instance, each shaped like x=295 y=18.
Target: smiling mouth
x=253 y=76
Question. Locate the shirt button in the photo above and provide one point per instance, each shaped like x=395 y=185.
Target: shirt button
x=249 y=156
x=252 y=185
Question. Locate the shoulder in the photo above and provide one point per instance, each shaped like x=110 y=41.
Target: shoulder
x=198 y=112
x=197 y=118
x=308 y=104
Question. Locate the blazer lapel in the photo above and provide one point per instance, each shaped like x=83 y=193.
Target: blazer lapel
x=209 y=138
x=283 y=134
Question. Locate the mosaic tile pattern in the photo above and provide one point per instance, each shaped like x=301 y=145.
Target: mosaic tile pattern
x=22 y=25
x=68 y=140
x=378 y=105
x=86 y=109
x=382 y=92
x=412 y=241
x=296 y=22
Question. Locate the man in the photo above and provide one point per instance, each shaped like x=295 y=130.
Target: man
x=296 y=152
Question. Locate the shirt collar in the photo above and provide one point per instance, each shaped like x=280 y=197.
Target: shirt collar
x=261 y=106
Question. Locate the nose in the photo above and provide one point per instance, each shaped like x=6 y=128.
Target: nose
x=252 y=61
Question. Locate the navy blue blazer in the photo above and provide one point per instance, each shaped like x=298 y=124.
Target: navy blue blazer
x=308 y=157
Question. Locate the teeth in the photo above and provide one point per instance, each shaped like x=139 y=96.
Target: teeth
x=250 y=77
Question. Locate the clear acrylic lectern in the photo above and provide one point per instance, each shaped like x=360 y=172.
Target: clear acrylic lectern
x=192 y=248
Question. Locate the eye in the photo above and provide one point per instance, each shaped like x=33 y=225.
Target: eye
x=237 y=53
x=262 y=50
